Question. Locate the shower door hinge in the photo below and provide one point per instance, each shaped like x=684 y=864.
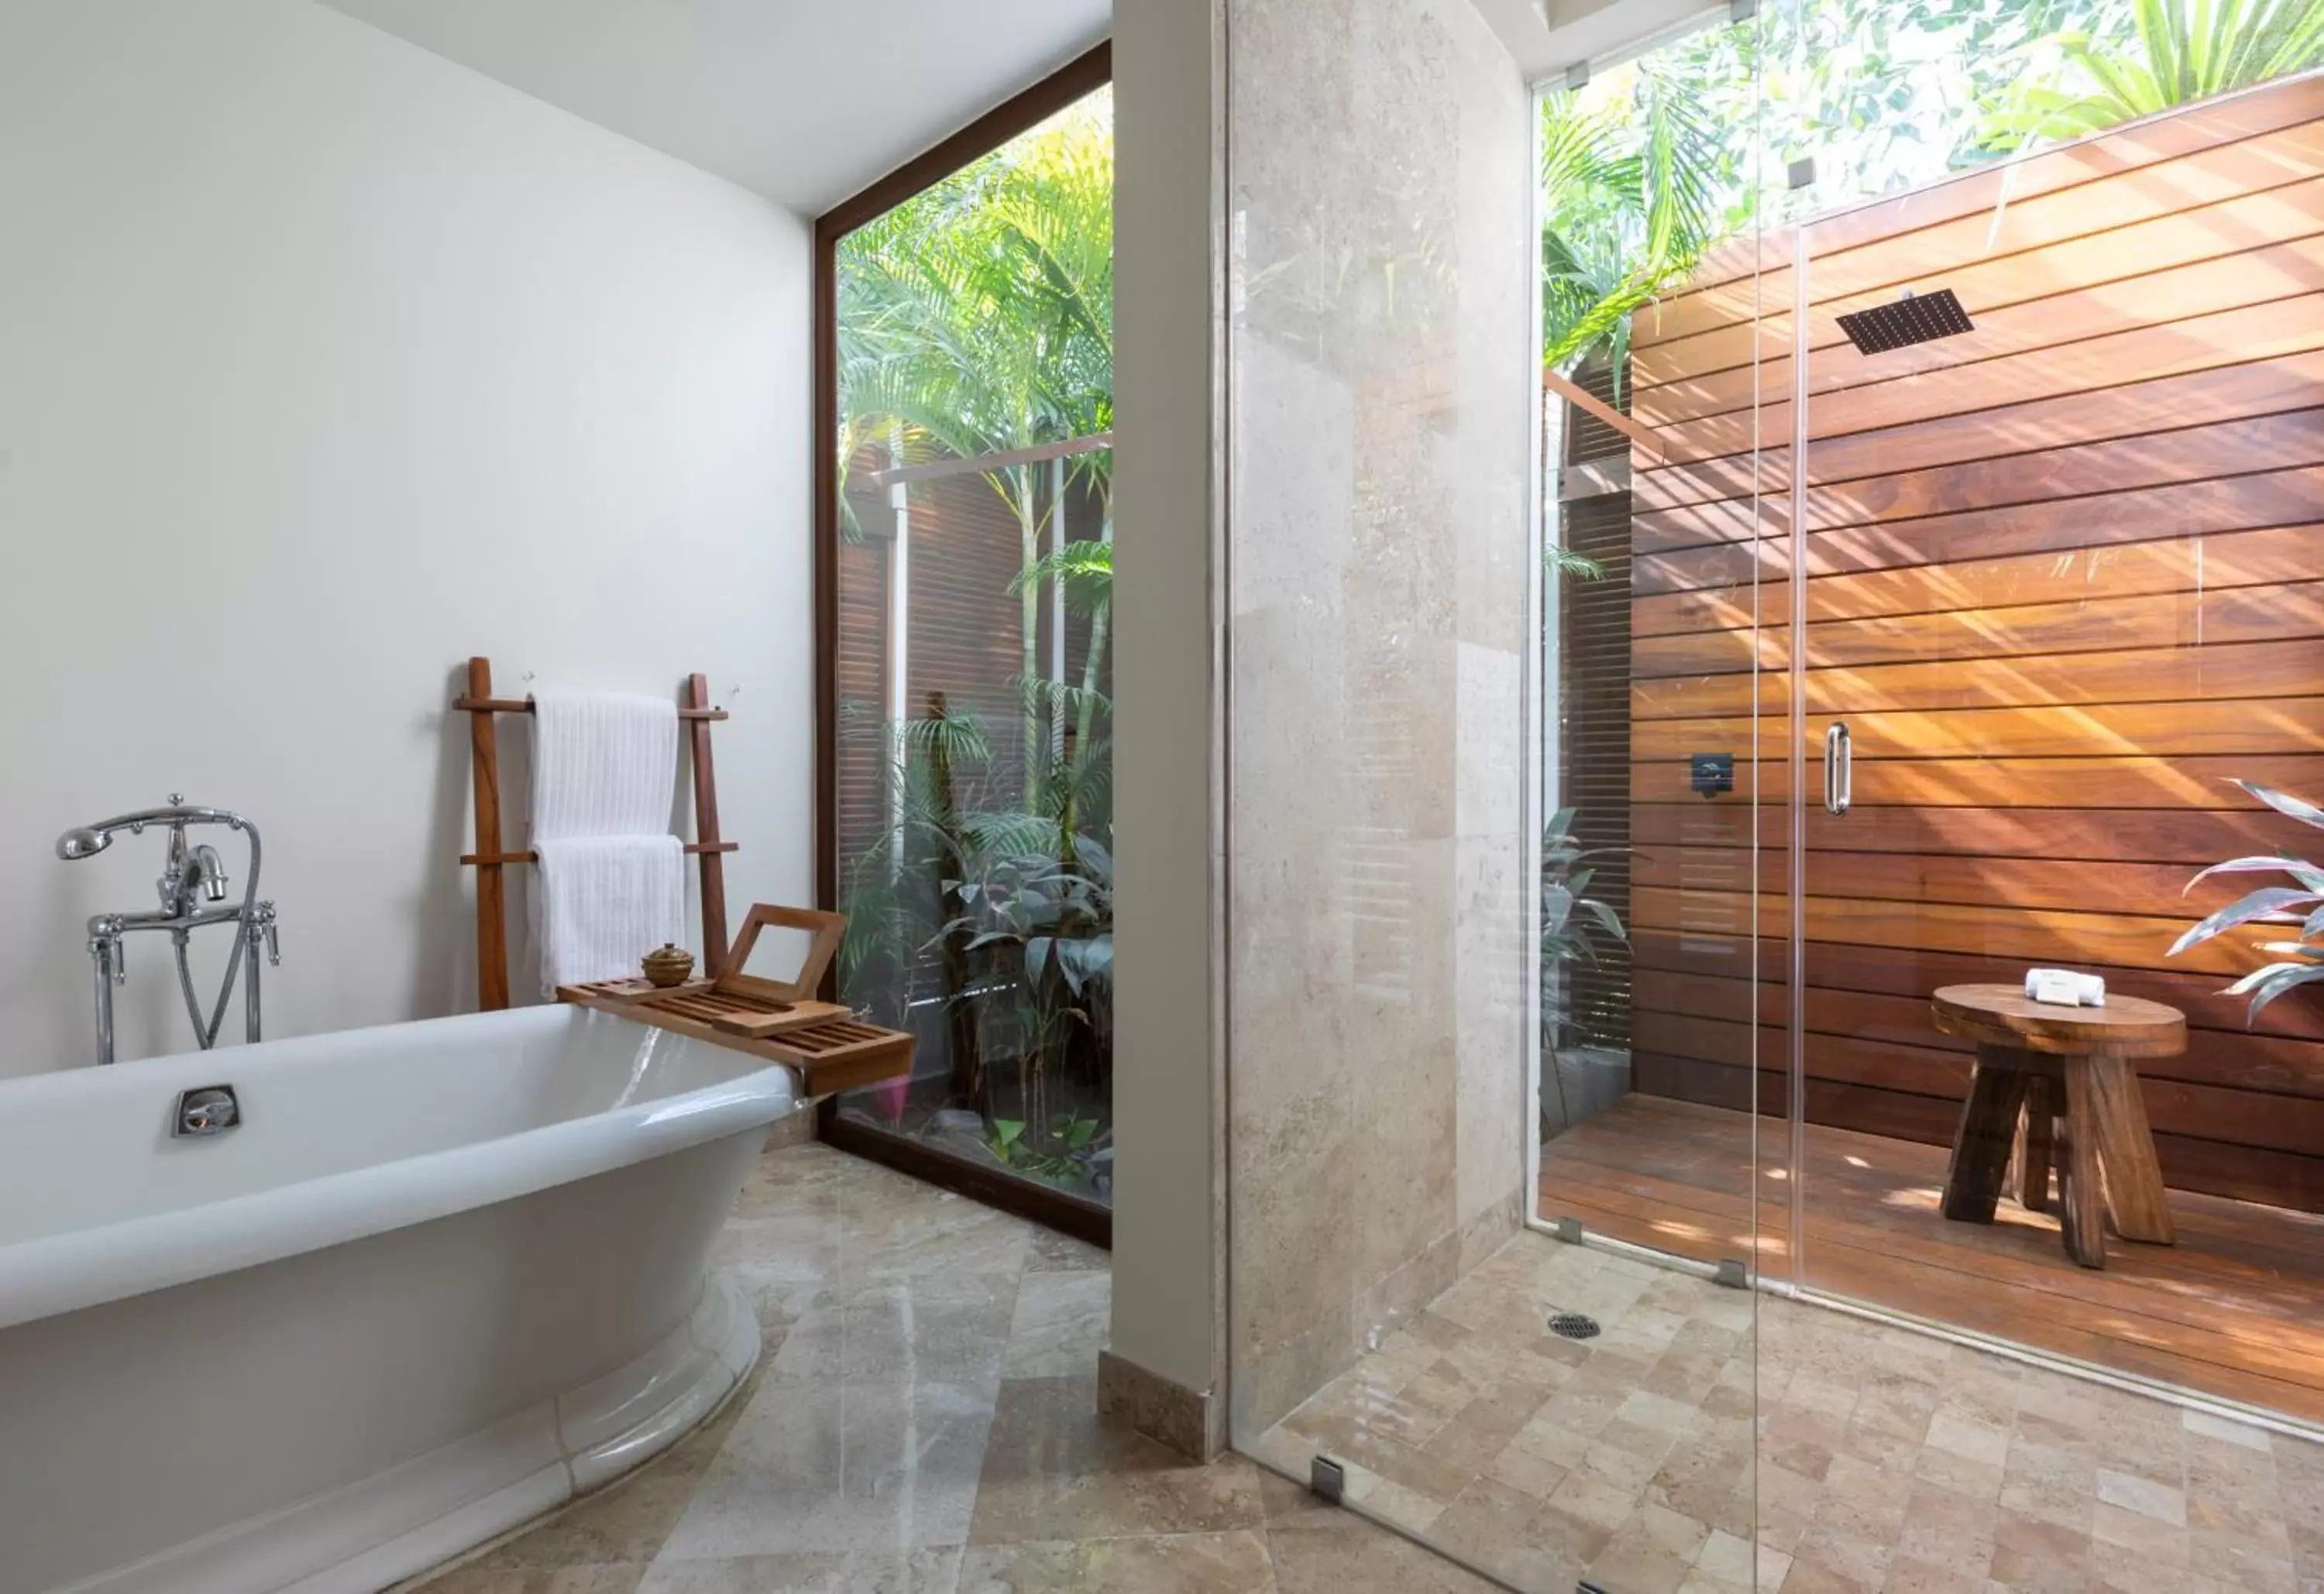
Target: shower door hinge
x=1732 y=1274
x=1569 y=1229
x=1801 y=173
x=1742 y=11
x=1328 y=1479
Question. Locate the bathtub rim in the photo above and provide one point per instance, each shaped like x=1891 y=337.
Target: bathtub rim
x=55 y=1273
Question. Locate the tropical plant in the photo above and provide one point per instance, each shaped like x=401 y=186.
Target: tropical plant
x=977 y=319
x=1575 y=927
x=1083 y=1146
x=2149 y=55
x=1084 y=572
x=1039 y=936
x=1000 y=917
x=2300 y=962
x=1569 y=562
x=1629 y=208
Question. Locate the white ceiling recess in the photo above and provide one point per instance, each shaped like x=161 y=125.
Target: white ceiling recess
x=805 y=101
x=1550 y=37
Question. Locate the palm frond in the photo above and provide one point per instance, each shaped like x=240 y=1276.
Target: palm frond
x=2156 y=54
x=1086 y=568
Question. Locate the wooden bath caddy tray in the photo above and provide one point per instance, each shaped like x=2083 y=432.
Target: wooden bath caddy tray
x=778 y=1019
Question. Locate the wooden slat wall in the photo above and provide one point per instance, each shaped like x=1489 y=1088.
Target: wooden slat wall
x=1595 y=725
x=967 y=630
x=2065 y=575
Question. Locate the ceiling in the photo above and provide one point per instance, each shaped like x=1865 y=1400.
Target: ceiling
x=805 y=101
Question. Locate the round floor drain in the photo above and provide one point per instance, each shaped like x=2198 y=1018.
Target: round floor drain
x=1574 y=1325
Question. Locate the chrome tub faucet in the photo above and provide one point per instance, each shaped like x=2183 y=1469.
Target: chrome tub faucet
x=193 y=887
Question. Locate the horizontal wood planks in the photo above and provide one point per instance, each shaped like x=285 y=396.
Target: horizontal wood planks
x=2064 y=579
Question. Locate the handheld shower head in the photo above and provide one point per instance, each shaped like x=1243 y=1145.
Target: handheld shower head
x=83 y=843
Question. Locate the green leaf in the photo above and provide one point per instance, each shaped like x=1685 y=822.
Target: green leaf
x=2307 y=874
x=2305 y=812
x=2269 y=982
x=2260 y=903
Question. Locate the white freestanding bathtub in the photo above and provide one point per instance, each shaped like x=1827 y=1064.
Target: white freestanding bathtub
x=443 y=1277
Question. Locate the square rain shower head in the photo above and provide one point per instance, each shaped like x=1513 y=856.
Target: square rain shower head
x=1921 y=318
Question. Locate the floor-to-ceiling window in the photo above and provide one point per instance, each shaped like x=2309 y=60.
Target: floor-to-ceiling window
x=966 y=583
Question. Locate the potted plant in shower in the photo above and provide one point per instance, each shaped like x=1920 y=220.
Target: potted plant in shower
x=2299 y=962
x=1577 y=930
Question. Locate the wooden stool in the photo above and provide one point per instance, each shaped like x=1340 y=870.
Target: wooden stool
x=2072 y=1073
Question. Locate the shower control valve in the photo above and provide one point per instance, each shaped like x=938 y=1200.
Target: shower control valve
x=262 y=927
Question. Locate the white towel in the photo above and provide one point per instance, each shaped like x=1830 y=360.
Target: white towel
x=602 y=902
x=603 y=763
x=611 y=883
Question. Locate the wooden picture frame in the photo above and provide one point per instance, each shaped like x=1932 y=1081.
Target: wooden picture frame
x=825 y=927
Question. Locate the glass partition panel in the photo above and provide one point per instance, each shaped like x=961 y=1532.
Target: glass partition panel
x=1443 y=924
x=2061 y=422
x=972 y=786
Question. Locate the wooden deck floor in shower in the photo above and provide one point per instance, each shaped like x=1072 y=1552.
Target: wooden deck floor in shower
x=2236 y=1309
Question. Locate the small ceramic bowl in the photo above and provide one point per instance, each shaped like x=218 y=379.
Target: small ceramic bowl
x=668 y=965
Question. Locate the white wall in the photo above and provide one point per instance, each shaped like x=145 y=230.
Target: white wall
x=1168 y=1209
x=324 y=364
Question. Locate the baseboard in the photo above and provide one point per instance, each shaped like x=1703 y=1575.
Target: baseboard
x=1190 y=1422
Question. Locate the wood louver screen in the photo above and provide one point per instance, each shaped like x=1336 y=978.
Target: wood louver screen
x=1592 y=692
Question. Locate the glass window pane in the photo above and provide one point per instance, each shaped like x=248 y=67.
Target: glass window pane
x=973 y=783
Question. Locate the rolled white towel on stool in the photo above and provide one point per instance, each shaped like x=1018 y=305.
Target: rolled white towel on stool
x=2065 y=988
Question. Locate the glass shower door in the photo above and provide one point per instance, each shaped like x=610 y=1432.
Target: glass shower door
x=1458 y=879
x=2059 y=591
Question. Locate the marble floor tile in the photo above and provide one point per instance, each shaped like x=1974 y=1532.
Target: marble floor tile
x=1352 y=1561
x=1048 y=1251
x=918 y=1572
x=610 y=1577
x=928 y=1381
x=1162 y=1564
x=830 y=1467
x=1060 y=1324
x=1051 y=1474
x=1861 y=1457
x=922 y=1422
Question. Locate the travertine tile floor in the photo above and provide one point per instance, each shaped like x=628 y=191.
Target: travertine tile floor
x=921 y=1423
x=1885 y=1460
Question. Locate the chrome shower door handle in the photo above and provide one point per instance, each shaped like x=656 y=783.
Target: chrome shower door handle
x=1839 y=769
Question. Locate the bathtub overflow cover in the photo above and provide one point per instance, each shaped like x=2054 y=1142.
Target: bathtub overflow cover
x=210 y=1110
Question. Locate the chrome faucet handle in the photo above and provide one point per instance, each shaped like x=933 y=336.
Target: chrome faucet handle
x=263 y=923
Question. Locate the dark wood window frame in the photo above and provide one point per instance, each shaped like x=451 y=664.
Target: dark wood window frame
x=1084 y=1220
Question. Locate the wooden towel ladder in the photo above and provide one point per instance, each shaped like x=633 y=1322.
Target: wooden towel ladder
x=492 y=901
